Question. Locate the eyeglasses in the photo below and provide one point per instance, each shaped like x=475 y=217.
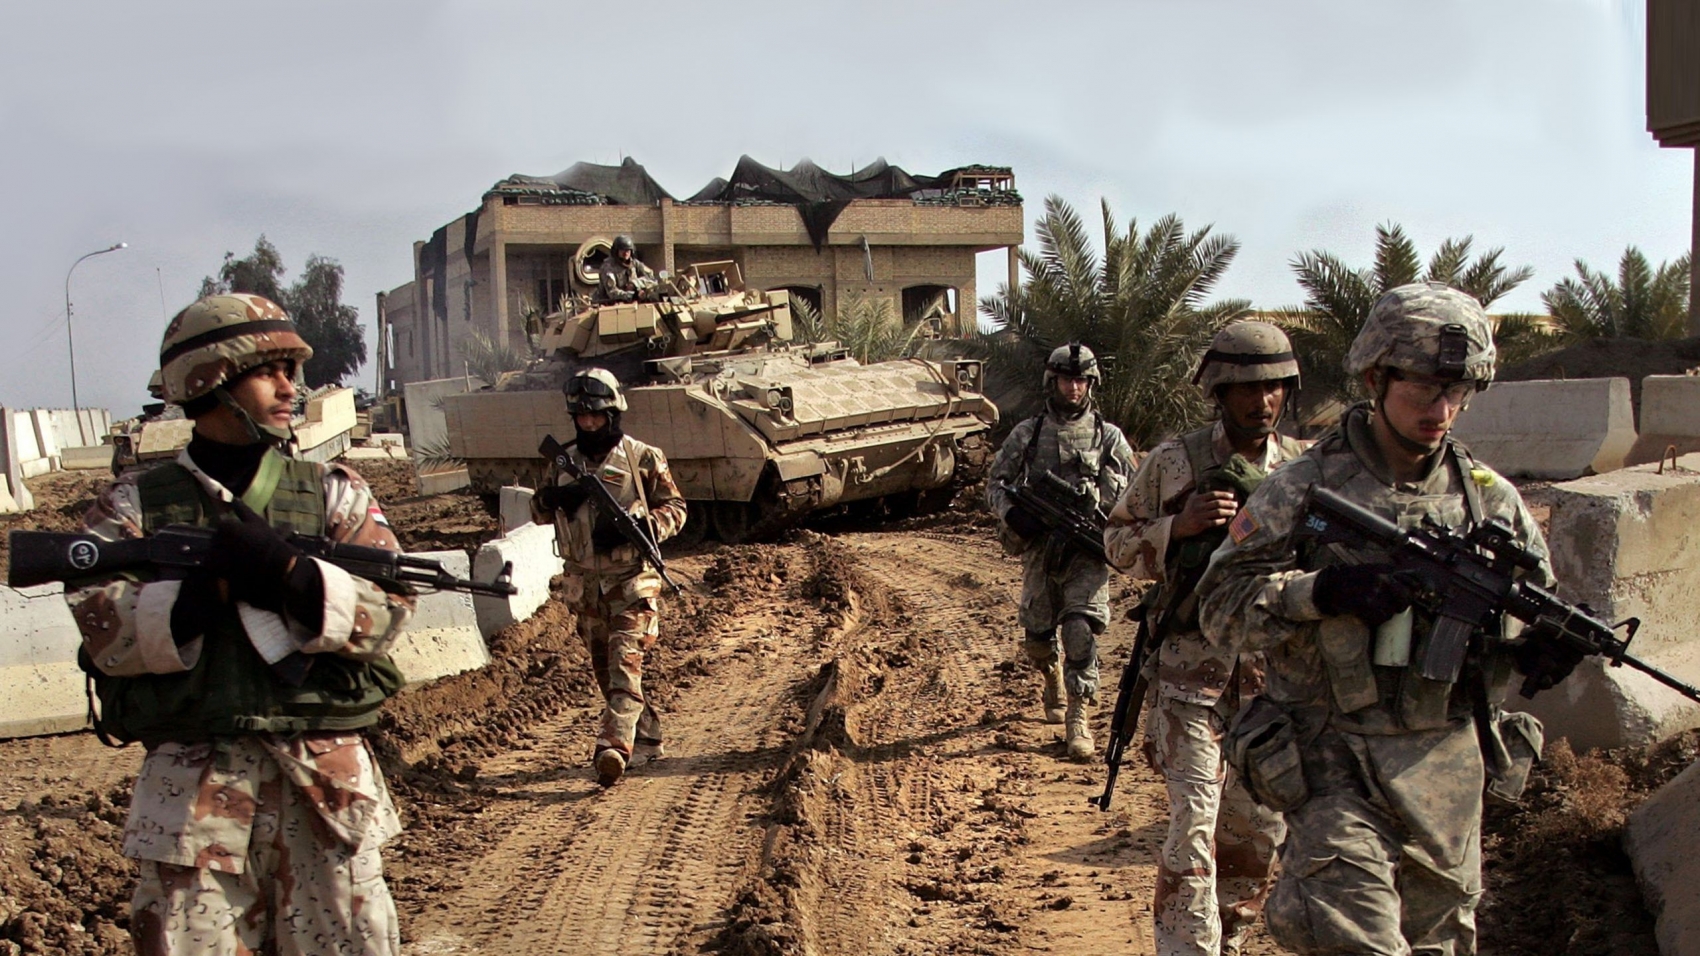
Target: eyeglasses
x=1426 y=392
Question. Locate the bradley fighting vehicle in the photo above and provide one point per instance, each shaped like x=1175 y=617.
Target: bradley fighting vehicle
x=758 y=429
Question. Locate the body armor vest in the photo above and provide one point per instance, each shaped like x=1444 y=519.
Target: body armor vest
x=230 y=690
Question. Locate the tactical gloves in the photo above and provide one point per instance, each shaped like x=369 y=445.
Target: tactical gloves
x=256 y=559
x=564 y=498
x=1022 y=523
x=1544 y=660
x=1371 y=592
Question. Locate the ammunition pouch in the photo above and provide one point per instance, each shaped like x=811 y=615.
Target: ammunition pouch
x=1262 y=745
x=1518 y=738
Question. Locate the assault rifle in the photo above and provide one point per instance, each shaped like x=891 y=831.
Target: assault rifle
x=1067 y=511
x=636 y=534
x=42 y=556
x=1130 y=698
x=1466 y=579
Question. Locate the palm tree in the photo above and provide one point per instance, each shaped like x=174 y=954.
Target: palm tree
x=1141 y=309
x=1338 y=299
x=1643 y=303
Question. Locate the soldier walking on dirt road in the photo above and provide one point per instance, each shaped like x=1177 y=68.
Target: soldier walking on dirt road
x=1062 y=588
x=259 y=810
x=1375 y=761
x=1214 y=870
x=609 y=587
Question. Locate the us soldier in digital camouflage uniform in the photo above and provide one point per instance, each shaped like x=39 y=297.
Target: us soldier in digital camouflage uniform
x=623 y=276
x=608 y=585
x=1061 y=588
x=1379 y=771
x=259 y=810
x=1213 y=873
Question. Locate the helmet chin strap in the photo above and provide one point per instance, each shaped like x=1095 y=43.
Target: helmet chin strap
x=1409 y=445
x=1238 y=433
x=256 y=432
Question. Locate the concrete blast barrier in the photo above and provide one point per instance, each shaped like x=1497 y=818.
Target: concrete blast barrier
x=38 y=664
x=1624 y=544
x=531 y=548
x=1670 y=415
x=1556 y=430
x=1663 y=842
x=442 y=637
x=515 y=507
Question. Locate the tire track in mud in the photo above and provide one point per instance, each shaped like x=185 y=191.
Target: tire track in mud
x=650 y=865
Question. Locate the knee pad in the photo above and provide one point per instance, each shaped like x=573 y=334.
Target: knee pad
x=1078 y=641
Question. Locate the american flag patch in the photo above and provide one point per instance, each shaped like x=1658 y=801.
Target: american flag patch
x=377 y=515
x=1243 y=525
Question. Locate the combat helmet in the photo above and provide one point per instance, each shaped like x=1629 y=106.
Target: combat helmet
x=1426 y=328
x=593 y=390
x=212 y=342
x=1247 y=351
x=622 y=242
x=1074 y=360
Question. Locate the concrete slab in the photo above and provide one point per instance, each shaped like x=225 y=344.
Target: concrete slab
x=38 y=664
x=1662 y=839
x=86 y=458
x=11 y=463
x=1555 y=430
x=532 y=550
x=1670 y=417
x=8 y=505
x=329 y=416
x=367 y=454
x=1623 y=543
x=515 y=507
x=442 y=637
x=443 y=480
x=426 y=427
x=46 y=435
x=386 y=438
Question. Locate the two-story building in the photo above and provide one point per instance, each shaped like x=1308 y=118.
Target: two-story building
x=878 y=232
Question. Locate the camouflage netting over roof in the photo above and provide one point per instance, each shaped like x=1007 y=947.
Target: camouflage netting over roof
x=587 y=184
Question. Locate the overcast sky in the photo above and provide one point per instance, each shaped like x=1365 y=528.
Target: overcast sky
x=352 y=129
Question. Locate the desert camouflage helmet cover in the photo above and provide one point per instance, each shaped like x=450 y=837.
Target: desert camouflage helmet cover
x=217 y=338
x=593 y=390
x=1429 y=329
x=1247 y=351
x=1074 y=360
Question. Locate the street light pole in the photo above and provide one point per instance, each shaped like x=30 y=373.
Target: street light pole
x=69 y=340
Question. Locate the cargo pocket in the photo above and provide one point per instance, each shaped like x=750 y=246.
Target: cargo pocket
x=1263 y=748
x=1520 y=739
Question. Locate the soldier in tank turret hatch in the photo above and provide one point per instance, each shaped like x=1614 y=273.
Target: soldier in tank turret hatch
x=624 y=277
x=259 y=810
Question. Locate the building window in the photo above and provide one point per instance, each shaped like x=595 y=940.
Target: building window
x=550 y=292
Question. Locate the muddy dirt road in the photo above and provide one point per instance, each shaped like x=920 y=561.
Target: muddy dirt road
x=856 y=765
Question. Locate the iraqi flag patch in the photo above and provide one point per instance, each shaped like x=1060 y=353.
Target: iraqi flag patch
x=377 y=515
x=1243 y=525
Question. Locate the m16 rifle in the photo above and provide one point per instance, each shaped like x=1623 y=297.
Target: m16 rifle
x=1067 y=511
x=39 y=557
x=636 y=534
x=1466 y=579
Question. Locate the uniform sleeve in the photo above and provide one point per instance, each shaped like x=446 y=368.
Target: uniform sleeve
x=1117 y=471
x=1253 y=596
x=1006 y=467
x=610 y=288
x=666 y=504
x=1137 y=535
x=361 y=620
x=126 y=623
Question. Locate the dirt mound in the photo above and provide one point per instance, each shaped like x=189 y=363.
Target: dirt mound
x=1633 y=359
x=1557 y=878
x=64 y=888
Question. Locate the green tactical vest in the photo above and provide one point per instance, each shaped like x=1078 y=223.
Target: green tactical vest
x=230 y=690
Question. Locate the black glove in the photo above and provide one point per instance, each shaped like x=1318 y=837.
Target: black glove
x=604 y=536
x=564 y=498
x=197 y=608
x=251 y=554
x=1018 y=520
x=1544 y=660
x=1372 y=592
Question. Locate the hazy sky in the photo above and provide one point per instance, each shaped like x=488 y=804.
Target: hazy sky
x=353 y=129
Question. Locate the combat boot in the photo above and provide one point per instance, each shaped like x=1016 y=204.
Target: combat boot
x=610 y=767
x=1079 y=732
x=1053 y=692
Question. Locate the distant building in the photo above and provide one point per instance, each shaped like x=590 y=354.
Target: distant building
x=878 y=232
x=1673 y=103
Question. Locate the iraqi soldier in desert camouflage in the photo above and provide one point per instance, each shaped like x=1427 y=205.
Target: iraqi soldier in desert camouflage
x=623 y=276
x=1378 y=770
x=1214 y=870
x=259 y=810
x=1062 y=589
x=614 y=593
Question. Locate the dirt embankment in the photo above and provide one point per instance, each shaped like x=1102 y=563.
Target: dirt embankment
x=855 y=764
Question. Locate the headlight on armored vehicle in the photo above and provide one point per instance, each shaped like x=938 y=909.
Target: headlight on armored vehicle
x=963 y=375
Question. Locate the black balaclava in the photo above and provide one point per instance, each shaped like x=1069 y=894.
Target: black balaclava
x=232 y=466
x=599 y=443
